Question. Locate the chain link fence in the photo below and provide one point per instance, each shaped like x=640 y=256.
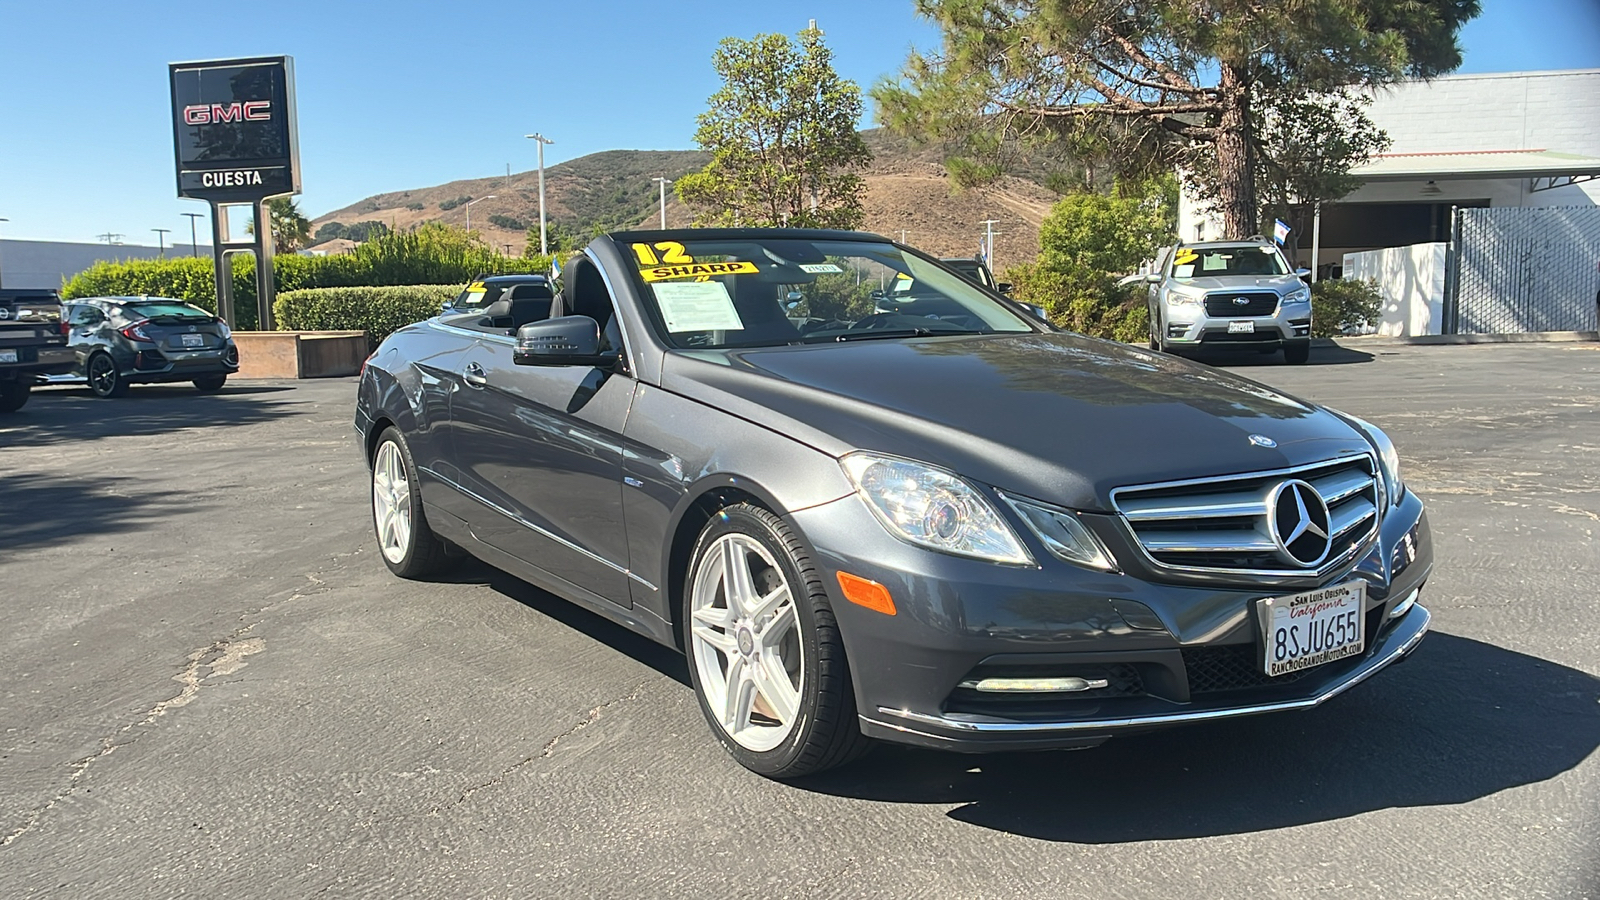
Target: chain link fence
x=1516 y=270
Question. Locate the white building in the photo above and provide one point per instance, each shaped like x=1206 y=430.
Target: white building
x=49 y=264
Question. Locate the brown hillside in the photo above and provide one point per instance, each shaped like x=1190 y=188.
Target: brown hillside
x=906 y=190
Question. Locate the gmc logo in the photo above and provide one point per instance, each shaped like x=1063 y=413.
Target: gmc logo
x=218 y=113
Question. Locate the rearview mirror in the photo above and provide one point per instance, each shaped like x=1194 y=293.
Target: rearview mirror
x=1003 y=287
x=565 y=341
x=1153 y=278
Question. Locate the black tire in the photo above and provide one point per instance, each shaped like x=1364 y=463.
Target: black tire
x=827 y=732
x=424 y=552
x=210 y=384
x=13 y=394
x=105 y=380
x=1296 y=353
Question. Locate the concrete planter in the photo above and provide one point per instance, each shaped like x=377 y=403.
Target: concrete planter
x=300 y=354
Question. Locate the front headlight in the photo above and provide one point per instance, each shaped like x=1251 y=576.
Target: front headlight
x=933 y=508
x=1388 y=458
x=1064 y=534
x=1178 y=297
x=1298 y=295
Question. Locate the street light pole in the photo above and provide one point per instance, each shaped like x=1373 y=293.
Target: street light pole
x=988 y=241
x=663 y=182
x=544 y=244
x=2 y=282
x=161 y=240
x=194 y=239
x=469 y=209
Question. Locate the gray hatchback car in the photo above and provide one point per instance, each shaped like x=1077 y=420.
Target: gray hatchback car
x=1229 y=295
x=120 y=341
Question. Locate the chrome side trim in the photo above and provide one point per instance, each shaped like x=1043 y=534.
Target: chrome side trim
x=1404 y=640
x=1189 y=542
x=536 y=529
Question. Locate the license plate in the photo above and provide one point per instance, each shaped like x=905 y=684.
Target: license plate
x=8 y=356
x=193 y=340
x=1241 y=328
x=1305 y=630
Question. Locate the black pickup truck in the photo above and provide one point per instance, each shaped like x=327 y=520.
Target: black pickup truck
x=33 y=343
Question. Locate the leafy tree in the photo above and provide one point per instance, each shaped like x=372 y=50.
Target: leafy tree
x=1086 y=241
x=1193 y=77
x=782 y=136
x=290 y=229
x=1308 y=147
x=330 y=231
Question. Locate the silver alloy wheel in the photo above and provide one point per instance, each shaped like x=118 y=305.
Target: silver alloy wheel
x=391 y=503
x=745 y=640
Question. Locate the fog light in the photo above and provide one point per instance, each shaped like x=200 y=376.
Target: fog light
x=1404 y=606
x=1035 y=685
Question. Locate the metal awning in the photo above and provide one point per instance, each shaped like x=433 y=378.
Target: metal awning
x=1546 y=168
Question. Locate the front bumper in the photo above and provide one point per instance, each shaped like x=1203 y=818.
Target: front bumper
x=1189 y=325
x=1166 y=641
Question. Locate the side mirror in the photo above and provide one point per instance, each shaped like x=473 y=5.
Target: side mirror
x=1153 y=278
x=566 y=341
x=1302 y=272
x=1003 y=287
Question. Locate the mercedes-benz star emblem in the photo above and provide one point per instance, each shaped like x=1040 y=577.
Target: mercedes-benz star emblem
x=1299 y=523
x=1261 y=440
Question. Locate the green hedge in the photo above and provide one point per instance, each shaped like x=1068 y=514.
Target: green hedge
x=376 y=310
x=430 y=255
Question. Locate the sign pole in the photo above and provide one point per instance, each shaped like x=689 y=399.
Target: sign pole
x=222 y=272
x=265 y=292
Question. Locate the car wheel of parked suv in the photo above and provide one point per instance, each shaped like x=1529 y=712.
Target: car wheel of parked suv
x=409 y=547
x=1297 y=352
x=104 y=379
x=13 y=394
x=210 y=384
x=765 y=653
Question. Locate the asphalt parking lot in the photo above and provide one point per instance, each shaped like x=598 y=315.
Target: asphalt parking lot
x=211 y=686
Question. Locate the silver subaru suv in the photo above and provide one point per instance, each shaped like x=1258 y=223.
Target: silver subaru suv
x=1229 y=295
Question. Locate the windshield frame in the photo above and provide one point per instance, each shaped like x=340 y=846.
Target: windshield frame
x=998 y=306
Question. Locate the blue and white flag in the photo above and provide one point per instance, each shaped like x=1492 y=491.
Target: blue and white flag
x=1280 y=231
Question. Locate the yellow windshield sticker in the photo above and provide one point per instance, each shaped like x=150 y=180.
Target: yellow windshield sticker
x=669 y=252
x=477 y=287
x=1185 y=256
x=698 y=270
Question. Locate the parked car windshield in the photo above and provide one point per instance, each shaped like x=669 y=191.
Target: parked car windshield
x=1196 y=262
x=757 y=292
x=164 y=309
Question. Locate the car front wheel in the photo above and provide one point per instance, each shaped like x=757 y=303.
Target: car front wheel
x=210 y=384
x=13 y=394
x=104 y=379
x=409 y=547
x=1295 y=353
x=765 y=654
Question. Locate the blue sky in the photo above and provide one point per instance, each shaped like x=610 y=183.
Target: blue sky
x=399 y=95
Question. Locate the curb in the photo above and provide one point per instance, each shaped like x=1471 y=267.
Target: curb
x=1531 y=337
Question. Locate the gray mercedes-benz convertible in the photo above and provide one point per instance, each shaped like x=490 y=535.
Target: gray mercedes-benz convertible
x=870 y=499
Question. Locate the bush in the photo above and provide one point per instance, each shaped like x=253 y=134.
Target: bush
x=511 y=222
x=378 y=311
x=454 y=202
x=1083 y=301
x=432 y=254
x=415 y=207
x=1344 y=307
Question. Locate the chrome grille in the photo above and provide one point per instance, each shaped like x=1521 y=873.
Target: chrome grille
x=1221 y=525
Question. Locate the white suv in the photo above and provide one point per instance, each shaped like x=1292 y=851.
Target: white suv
x=1229 y=295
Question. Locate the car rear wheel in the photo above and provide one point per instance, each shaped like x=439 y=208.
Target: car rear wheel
x=104 y=379
x=1295 y=353
x=409 y=547
x=765 y=654
x=13 y=394
x=210 y=384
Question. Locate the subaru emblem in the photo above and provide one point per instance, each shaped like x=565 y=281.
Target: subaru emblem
x=1261 y=440
x=1241 y=301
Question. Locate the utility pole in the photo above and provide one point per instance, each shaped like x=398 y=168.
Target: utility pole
x=161 y=240
x=988 y=241
x=194 y=239
x=544 y=243
x=663 y=182
x=902 y=235
x=469 y=209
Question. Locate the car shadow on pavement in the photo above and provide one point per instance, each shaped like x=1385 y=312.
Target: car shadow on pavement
x=57 y=415
x=56 y=510
x=664 y=660
x=1320 y=356
x=1458 y=721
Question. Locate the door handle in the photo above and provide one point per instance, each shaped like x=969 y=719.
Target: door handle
x=474 y=376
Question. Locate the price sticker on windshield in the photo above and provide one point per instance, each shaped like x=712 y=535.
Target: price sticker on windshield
x=698 y=270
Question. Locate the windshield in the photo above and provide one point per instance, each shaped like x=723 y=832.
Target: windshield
x=1195 y=262
x=763 y=292
x=164 y=309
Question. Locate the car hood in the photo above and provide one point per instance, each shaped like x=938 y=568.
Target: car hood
x=1280 y=284
x=1058 y=417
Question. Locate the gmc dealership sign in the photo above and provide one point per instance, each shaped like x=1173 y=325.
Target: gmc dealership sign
x=233 y=129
